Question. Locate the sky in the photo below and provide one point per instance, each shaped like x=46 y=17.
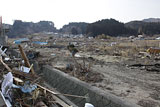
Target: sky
x=62 y=12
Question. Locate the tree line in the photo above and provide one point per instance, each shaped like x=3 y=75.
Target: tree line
x=109 y=27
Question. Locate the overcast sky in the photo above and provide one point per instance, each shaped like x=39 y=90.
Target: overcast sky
x=64 y=11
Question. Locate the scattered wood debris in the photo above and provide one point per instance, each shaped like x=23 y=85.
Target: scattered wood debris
x=24 y=89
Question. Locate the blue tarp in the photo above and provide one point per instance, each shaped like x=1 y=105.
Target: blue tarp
x=21 y=40
x=40 y=43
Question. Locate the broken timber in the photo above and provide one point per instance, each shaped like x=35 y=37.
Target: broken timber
x=60 y=93
x=6 y=66
x=57 y=99
x=26 y=59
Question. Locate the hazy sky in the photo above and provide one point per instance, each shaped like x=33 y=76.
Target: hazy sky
x=64 y=11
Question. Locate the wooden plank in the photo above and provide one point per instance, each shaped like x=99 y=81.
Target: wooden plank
x=58 y=100
x=25 y=59
x=61 y=102
x=5 y=65
x=69 y=95
x=28 y=76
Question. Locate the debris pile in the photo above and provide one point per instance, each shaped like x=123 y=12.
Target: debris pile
x=22 y=87
x=148 y=67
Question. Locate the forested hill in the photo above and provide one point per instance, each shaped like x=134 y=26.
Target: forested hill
x=109 y=27
x=113 y=27
x=142 y=27
x=21 y=28
x=74 y=28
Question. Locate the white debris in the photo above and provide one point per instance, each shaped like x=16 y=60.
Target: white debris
x=53 y=54
x=25 y=69
x=7 y=85
x=88 y=105
x=77 y=55
x=113 y=43
x=6 y=102
x=3 y=52
x=6 y=59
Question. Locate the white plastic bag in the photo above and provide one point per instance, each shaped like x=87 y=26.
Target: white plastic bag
x=7 y=84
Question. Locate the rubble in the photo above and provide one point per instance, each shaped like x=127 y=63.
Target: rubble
x=116 y=65
x=22 y=87
x=151 y=67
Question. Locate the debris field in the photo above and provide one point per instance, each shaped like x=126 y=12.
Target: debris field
x=127 y=68
x=22 y=87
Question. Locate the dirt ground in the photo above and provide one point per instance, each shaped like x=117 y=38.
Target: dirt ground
x=112 y=60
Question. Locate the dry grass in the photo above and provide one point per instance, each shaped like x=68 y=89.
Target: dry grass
x=127 y=48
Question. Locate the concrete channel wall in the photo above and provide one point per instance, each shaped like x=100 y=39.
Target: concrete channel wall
x=67 y=84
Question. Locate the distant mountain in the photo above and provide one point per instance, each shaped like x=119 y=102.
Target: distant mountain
x=151 y=20
x=21 y=28
x=74 y=28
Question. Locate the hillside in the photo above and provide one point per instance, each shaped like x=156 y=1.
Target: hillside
x=110 y=27
x=21 y=28
x=142 y=27
x=113 y=27
x=74 y=28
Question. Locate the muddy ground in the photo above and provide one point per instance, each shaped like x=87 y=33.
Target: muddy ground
x=110 y=62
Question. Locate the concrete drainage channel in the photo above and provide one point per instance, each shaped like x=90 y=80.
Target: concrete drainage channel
x=67 y=84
